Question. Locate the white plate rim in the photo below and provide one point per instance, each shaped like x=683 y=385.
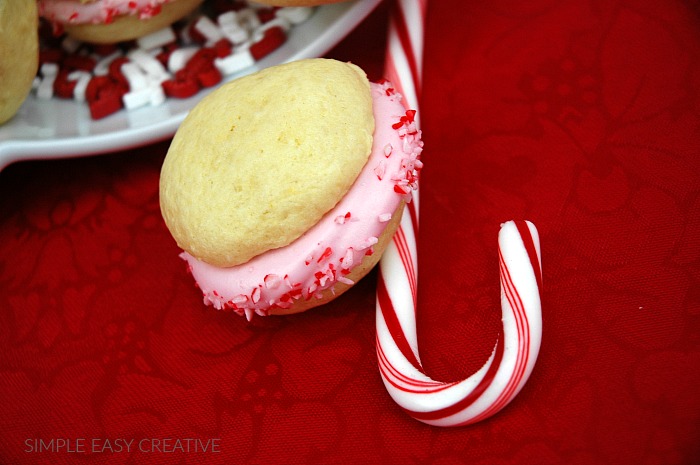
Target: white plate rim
x=314 y=38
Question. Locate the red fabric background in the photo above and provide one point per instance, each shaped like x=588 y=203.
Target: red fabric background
x=582 y=116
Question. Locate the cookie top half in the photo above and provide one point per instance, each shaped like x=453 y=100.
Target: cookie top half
x=260 y=160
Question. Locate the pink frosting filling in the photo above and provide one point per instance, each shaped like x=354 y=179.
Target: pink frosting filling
x=101 y=11
x=326 y=253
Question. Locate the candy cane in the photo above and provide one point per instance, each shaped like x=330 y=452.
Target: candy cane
x=494 y=385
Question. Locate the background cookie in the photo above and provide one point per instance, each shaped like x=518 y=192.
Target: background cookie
x=19 y=53
x=122 y=27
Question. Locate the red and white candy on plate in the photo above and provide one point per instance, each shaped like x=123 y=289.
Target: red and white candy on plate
x=178 y=61
x=501 y=378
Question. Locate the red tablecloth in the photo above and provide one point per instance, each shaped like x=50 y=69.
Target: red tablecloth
x=582 y=116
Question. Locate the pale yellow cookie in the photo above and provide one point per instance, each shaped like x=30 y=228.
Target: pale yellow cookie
x=19 y=53
x=260 y=160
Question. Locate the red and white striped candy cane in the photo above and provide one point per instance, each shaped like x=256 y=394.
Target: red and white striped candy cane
x=494 y=385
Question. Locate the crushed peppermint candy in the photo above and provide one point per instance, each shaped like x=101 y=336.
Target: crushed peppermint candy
x=387 y=150
x=272 y=281
x=222 y=38
x=406 y=179
x=367 y=243
x=379 y=170
x=341 y=219
x=347 y=261
x=324 y=267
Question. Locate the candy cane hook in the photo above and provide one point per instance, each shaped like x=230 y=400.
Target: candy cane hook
x=494 y=385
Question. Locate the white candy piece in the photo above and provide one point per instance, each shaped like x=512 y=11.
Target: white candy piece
x=295 y=14
x=235 y=33
x=235 y=62
x=227 y=19
x=137 y=79
x=137 y=98
x=157 y=39
x=45 y=88
x=49 y=69
x=83 y=79
x=157 y=95
x=208 y=29
x=179 y=58
x=151 y=95
x=148 y=64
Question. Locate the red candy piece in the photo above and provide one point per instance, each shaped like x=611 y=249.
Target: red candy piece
x=62 y=87
x=326 y=253
x=198 y=72
x=209 y=77
x=399 y=190
x=223 y=48
x=115 y=71
x=203 y=59
x=100 y=87
x=272 y=39
x=180 y=88
x=93 y=88
x=109 y=102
